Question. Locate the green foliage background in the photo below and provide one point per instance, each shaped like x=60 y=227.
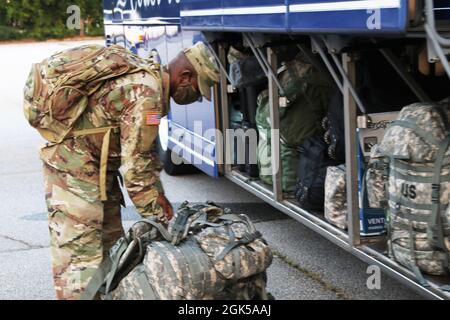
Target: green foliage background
x=44 y=19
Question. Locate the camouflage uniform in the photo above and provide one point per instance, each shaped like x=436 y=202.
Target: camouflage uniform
x=83 y=228
x=99 y=108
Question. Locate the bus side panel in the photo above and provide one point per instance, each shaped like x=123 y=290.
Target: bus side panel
x=246 y=14
x=298 y=16
x=114 y=34
x=155 y=40
x=144 y=31
x=177 y=114
x=200 y=119
x=204 y=13
x=195 y=149
x=331 y=16
x=161 y=11
x=108 y=6
x=134 y=37
x=442 y=10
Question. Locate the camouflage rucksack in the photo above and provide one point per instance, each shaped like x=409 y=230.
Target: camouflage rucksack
x=57 y=89
x=206 y=253
x=409 y=172
x=336 y=196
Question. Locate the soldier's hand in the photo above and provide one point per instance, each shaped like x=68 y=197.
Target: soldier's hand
x=166 y=206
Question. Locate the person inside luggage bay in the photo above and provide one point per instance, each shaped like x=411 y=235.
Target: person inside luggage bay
x=84 y=205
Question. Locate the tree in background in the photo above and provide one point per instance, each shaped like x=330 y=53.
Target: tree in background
x=91 y=15
x=2 y=14
x=43 y=19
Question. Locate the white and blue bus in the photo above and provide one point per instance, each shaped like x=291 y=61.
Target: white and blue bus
x=334 y=34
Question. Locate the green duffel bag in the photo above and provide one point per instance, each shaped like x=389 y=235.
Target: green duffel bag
x=289 y=162
x=308 y=93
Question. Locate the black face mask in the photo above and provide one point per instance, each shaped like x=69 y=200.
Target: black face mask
x=186 y=94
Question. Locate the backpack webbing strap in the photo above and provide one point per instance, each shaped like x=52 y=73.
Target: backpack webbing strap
x=428 y=137
x=236 y=256
x=407 y=166
x=409 y=203
x=162 y=230
x=203 y=222
x=436 y=227
x=421 y=179
x=246 y=239
x=104 y=153
x=239 y=218
x=107 y=266
x=183 y=265
x=180 y=224
x=168 y=268
x=119 y=251
x=389 y=210
x=97 y=280
x=410 y=217
x=195 y=263
x=413 y=265
x=148 y=291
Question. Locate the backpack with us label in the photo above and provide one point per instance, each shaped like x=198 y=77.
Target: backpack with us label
x=409 y=173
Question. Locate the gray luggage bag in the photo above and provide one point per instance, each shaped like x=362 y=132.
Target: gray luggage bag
x=206 y=253
x=409 y=173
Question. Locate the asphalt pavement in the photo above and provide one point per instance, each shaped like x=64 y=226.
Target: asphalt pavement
x=305 y=266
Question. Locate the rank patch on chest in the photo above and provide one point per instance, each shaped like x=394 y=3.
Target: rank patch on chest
x=153 y=119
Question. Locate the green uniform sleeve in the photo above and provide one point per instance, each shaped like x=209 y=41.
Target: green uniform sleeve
x=140 y=162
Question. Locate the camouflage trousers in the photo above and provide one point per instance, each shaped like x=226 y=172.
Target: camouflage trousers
x=82 y=229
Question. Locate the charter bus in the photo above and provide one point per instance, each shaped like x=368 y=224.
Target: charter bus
x=360 y=45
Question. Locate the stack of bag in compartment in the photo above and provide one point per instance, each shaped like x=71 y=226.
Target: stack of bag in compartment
x=318 y=154
x=381 y=89
x=409 y=174
x=249 y=80
x=307 y=91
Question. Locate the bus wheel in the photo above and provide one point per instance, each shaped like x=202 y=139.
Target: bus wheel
x=166 y=155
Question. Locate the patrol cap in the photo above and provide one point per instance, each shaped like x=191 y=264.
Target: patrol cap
x=200 y=56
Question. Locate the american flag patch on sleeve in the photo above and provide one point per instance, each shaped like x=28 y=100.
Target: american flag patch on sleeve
x=153 y=119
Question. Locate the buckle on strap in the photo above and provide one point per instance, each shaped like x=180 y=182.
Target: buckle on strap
x=435 y=193
x=246 y=239
x=179 y=226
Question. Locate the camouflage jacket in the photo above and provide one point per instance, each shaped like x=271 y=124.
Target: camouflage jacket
x=132 y=103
